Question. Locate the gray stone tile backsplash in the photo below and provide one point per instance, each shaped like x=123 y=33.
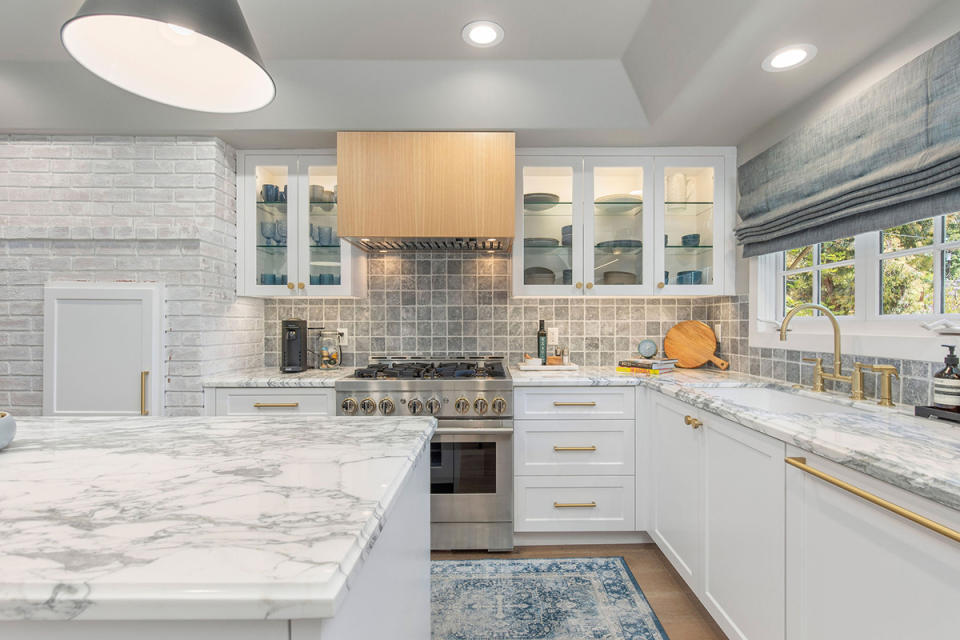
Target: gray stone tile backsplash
x=450 y=303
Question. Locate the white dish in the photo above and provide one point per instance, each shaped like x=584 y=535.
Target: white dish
x=8 y=429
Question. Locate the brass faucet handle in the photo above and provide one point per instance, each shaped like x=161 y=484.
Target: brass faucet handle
x=885 y=369
x=817 y=373
x=816 y=361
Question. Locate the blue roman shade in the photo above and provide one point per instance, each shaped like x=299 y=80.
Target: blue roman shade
x=889 y=156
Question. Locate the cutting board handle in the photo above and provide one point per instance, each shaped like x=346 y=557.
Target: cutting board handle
x=720 y=362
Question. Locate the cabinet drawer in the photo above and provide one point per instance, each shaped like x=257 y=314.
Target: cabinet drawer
x=576 y=402
x=574 y=447
x=270 y=402
x=578 y=503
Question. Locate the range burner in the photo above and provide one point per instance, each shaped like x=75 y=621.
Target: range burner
x=421 y=369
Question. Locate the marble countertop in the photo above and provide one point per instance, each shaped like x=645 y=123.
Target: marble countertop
x=891 y=444
x=271 y=377
x=195 y=518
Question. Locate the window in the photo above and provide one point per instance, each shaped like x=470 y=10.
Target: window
x=909 y=270
x=822 y=274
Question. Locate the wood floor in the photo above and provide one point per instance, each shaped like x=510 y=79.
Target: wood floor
x=680 y=613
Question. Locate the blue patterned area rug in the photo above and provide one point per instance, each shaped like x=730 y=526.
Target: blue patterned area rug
x=550 y=599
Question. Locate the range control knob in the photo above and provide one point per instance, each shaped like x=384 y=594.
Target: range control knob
x=415 y=406
x=499 y=405
x=433 y=406
x=386 y=406
x=349 y=406
x=462 y=405
x=368 y=406
x=480 y=406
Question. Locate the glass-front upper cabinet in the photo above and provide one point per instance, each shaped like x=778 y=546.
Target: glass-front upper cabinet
x=690 y=219
x=618 y=226
x=287 y=217
x=547 y=248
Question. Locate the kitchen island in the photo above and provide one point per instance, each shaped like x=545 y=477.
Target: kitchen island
x=215 y=527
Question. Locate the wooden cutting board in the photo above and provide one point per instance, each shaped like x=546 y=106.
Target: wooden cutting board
x=692 y=343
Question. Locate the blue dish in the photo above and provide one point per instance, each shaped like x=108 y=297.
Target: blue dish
x=620 y=244
x=689 y=277
x=690 y=240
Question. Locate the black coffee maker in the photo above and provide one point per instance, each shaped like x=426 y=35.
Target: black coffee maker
x=293 y=345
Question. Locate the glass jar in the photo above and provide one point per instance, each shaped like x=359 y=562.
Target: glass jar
x=329 y=355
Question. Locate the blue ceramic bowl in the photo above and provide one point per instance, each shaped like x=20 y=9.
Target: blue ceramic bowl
x=689 y=277
x=690 y=240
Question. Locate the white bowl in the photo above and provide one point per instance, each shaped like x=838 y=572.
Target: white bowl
x=8 y=429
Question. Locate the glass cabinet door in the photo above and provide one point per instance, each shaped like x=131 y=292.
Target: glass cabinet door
x=618 y=227
x=547 y=248
x=272 y=181
x=322 y=257
x=690 y=212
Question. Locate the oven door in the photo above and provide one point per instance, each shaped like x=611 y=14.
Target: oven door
x=471 y=472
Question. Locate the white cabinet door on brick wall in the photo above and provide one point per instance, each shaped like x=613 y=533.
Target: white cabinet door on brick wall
x=102 y=349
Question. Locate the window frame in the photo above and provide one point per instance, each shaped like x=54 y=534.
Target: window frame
x=866 y=331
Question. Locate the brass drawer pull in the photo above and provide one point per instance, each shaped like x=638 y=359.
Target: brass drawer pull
x=592 y=447
x=801 y=463
x=143 y=393
x=574 y=505
x=574 y=404
x=264 y=405
x=693 y=422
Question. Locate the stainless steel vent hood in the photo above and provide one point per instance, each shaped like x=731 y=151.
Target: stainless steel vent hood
x=426 y=191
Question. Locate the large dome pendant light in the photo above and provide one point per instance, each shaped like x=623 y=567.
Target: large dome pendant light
x=193 y=54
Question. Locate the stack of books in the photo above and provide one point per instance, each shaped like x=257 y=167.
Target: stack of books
x=648 y=366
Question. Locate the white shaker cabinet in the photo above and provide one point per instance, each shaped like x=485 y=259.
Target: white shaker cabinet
x=857 y=570
x=676 y=476
x=743 y=570
x=102 y=349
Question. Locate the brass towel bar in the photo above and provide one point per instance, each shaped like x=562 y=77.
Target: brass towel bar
x=574 y=404
x=574 y=505
x=263 y=405
x=801 y=463
x=592 y=447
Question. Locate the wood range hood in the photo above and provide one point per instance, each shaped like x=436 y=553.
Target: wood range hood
x=426 y=190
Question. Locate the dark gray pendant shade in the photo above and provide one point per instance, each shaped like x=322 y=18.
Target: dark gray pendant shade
x=194 y=54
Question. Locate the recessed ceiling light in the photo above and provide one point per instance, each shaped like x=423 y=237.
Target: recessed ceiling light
x=174 y=52
x=483 y=33
x=789 y=57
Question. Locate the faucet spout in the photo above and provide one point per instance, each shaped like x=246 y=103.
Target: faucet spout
x=833 y=321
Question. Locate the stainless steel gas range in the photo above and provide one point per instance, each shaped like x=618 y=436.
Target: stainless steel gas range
x=471 y=455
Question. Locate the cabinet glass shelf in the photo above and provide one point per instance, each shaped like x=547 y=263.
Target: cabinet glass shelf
x=688 y=208
x=687 y=251
x=619 y=251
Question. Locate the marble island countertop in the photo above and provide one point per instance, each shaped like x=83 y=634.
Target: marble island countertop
x=195 y=518
x=271 y=377
x=891 y=444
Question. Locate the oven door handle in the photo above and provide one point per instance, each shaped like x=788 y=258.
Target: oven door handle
x=477 y=431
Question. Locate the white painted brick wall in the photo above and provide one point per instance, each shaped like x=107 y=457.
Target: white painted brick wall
x=110 y=208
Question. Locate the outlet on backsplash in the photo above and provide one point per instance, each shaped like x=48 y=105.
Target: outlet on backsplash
x=344 y=337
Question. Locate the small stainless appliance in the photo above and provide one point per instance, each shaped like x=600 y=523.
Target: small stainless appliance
x=471 y=454
x=293 y=346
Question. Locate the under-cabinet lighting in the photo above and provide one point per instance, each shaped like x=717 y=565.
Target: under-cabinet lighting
x=789 y=57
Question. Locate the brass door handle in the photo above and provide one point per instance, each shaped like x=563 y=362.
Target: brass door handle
x=143 y=393
x=574 y=404
x=801 y=463
x=589 y=285
x=265 y=405
x=290 y=285
x=693 y=422
x=592 y=447
x=579 y=285
x=574 y=505
x=300 y=285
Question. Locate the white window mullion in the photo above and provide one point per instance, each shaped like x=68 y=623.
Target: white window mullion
x=938 y=236
x=867 y=278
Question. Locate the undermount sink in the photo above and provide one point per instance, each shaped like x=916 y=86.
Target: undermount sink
x=776 y=401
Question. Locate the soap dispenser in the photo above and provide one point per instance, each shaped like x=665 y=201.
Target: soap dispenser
x=946 y=383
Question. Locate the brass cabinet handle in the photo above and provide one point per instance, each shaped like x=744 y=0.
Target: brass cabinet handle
x=592 y=447
x=693 y=422
x=801 y=463
x=143 y=393
x=589 y=285
x=300 y=285
x=660 y=285
x=290 y=285
x=579 y=285
x=264 y=405
x=574 y=505
x=574 y=404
